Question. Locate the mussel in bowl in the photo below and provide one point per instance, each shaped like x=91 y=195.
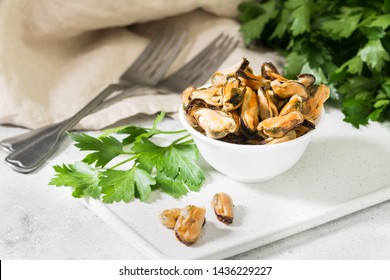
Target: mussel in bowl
x=255 y=109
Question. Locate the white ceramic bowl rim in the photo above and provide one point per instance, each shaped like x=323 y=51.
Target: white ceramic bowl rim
x=196 y=133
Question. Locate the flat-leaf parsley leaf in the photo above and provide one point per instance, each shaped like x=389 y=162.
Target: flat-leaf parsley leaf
x=114 y=173
x=341 y=41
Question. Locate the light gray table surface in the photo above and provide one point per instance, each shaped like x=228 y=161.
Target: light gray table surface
x=38 y=221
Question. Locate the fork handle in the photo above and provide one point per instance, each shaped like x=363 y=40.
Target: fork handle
x=18 y=142
x=32 y=156
x=72 y=121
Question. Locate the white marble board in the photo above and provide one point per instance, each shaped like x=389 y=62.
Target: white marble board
x=343 y=170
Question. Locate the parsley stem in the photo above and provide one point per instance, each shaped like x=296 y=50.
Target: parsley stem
x=190 y=141
x=127 y=153
x=171 y=132
x=180 y=139
x=123 y=162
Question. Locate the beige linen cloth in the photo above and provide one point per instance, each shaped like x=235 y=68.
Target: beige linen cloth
x=56 y=55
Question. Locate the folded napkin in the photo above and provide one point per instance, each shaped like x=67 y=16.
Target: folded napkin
x=56 y=55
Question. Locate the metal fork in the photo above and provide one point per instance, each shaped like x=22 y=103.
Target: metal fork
x=148 y=69
x=196 y=72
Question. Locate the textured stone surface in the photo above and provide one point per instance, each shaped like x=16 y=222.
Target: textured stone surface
x=42 y=222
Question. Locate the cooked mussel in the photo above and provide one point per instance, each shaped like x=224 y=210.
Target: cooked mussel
x=211 y=95
x=216 y=124
x=269 y=71
x=306 y=79
x=313 y=106
x=244 y=108
x=277 y=126
x=250 y=112
x=245 y=74
x=189 y=224
x=190 y=110
x=287 y=89
x=289 y=135
x=267 y=107
x=169 y=217
x=232 y=94
x=223 y=206
x=294 y=104
x=304 y=127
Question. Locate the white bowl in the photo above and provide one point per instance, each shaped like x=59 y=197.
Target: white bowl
x=249 y=163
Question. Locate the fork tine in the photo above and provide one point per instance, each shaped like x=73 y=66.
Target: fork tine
x=215 y=49
x=206 y=72
x=204 y=52
x=161 y=62
x=203 y=65
x=210 y=57
x=152 y=64
x=162 y=37
x=173 y=41
x=185 y=76
x=163 y=47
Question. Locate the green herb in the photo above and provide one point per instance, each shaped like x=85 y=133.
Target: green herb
x=345 y=44
x=141 y=165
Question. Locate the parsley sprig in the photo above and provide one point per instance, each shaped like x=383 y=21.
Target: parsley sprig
x=121 y=170
x=344 y=43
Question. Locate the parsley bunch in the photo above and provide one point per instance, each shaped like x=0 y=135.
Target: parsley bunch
x=344 y=43
x=141 y=166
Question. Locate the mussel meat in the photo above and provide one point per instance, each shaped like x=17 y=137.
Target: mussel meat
x=189 y=224
x=244 y=108
x=232 y=94
x=216 y=124
x=313 y=106
x=222 y=204
x=287 y=89
x=277 y=126
x=169 y=217
x=250 y=112
x=294 y=104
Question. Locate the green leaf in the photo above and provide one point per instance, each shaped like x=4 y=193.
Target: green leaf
x=118 y=185
x=382 y=21
x=376 y=114
x=143 y=181
x=379 y=106
x=282 y=25
x=172 y=169
x=133 y=132
x=356 y=84
x=175 y=161
x=153 y=130
x=340 y=41
x=80 y=176
x=171 y=186
x=374 y=55
x=342 y=26
x=106 y=147
x=183 y=168
x=372 y=33
x=253 y=28
x=294 y=63
x=249 y=11
x=386 y=87
x=300 y=16
x=149 y=154
x=353 y=66
x=386 y=6
x=381 y=103
x=356 y=111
